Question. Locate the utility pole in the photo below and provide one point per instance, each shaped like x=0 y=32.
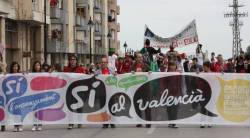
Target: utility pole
x=236 y=24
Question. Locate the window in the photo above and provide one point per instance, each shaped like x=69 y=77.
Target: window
x=98 y=27
x=97 y=4
x=81 y=12
x=11 y=34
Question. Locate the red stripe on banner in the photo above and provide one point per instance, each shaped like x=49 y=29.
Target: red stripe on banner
x=47 y=83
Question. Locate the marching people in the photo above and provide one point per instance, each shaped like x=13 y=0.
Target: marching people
x=230 y=66
x=73 y=67
x=37 y=68
x=172 y=110
x=119 y=65
x=147 y=51
x=172 y=54
x=200 y=55
x=195 y=66
x=186 y=65
x=3 y=67
x=14 y=69
x=206 y=69
x=106 y=70
x=219 y=66
x=240 y=66
x=127 y=63
x=140 y=66
x=171 y=62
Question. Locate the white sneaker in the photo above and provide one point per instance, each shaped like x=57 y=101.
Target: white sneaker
x=70 y=126
x=20 y=129
x=15 y=129
x=34 y=128
x=39 y=128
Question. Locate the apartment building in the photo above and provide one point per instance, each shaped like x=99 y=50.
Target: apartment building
x=68 y=31
x=22 y=35
x=113 y=25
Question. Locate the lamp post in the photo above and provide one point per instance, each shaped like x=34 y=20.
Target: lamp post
x=109 y=37
x=45 y=31
x=125 y=47
x=90 y=24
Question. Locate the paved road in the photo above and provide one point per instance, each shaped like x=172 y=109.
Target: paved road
x=131 y=132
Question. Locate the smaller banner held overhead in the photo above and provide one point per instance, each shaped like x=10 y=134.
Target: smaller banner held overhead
x=186 y=37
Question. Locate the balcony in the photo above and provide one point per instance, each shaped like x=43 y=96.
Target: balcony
x=37 y=13
x=63 y=19
x=118 y=10
x=82 y=2
x=56 y=46
x=81 y=48
x=118 y=27
x=112 y=4
x=55 y=13
x=98 y=33
x=80 y=21
x=112 y=25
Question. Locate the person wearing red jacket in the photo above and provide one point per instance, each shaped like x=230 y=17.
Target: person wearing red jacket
x=119 y=65
x=73 y=67
x=106 y=70
x=219 y=66
x=127 y=64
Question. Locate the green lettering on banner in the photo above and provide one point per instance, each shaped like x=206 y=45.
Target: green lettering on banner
x=112 y=80
x=132 y=81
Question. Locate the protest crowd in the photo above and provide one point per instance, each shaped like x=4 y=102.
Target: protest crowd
x=148 y=59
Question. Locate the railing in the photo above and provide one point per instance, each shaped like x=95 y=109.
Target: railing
x=85 y=2
x=81 y=47
x=56 y=46
x=55 y=12
x=80 y=21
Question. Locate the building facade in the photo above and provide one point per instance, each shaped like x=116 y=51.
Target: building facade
x=23 y=37
x=113 y=25
x=22 y=34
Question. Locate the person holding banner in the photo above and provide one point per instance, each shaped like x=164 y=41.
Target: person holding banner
x=196 y=67
x=3 y=67
x=206 y=69
x=219 y=66
x=37 y=68
x=73 y=67
x=106 y=70
x=140 y=66
x=173 y=110
x=126 y=65
x=15 y=68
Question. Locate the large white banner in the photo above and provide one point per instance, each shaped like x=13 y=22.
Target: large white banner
x=156 y=98
x=186 y=37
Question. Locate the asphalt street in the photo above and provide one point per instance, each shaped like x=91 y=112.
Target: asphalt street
x=60 y=131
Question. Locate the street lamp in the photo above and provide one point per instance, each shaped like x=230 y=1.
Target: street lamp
x=90 y=24
x=45 y=31
x=109 y=37
x=125 y=46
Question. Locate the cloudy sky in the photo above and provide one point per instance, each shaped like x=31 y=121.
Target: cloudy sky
x=168 y=17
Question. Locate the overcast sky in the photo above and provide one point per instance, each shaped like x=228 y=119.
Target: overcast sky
x=168 y=17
